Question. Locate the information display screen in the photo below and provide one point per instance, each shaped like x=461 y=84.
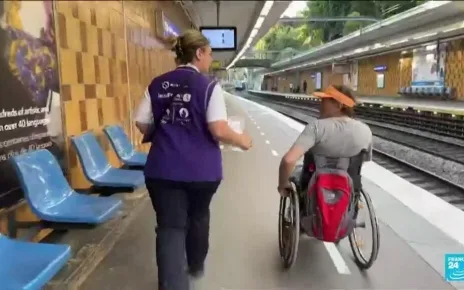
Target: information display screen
x=221 y=38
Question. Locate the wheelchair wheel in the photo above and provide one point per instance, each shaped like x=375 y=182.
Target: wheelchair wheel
x=365 y=261
x=289 y=228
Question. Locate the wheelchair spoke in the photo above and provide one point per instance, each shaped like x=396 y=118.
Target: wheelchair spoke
x=366 y=227
x=289 y=218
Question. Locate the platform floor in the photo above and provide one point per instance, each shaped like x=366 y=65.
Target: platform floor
x=244 y=246
x=442 y=106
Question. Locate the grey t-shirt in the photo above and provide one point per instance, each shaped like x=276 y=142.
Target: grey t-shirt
x=336 y=137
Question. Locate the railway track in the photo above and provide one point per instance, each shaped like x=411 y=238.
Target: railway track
x=444 y=124
x=436 y=147
x=448 y=191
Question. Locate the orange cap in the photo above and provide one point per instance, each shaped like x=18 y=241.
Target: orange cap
x=335 y=94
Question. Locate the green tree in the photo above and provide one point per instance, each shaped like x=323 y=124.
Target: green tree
x=280 y=37
x=260 y=45
x=305 y=35
x=331 y=30
x=390 y=8
x=352 y=25
x=367 y=8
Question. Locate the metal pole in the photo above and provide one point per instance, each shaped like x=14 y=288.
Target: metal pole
x=218 y=8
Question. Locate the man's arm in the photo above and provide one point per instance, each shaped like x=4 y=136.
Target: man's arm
x=307 y=139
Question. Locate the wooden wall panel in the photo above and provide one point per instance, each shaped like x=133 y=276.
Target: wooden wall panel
x=367 y=82
x=147 y=57
x=108 y=55
x=93 y=72
x=454 y=73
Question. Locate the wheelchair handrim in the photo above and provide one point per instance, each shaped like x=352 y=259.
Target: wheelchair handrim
x=287 y=254
x=358 y=254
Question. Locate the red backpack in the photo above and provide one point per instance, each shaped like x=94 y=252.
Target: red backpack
x=330 y=200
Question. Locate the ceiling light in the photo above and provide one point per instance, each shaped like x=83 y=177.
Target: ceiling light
x=253 y=33
x=259 y=22
x=398 y=42
x=264 y=12
x=425 y=35
x=266 y=8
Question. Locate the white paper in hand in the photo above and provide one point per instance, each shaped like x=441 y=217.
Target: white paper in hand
x=237 y=124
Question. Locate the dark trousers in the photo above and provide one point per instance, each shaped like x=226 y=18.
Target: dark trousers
x=182 y=214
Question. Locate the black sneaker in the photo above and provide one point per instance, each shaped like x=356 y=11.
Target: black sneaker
x=197 y=272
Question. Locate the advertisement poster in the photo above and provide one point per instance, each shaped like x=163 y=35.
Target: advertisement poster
x=380 y=80
x=318 y=81
x=354 y=75
x=347 y=80
x=351 y=79
x=428 y=66
x=30 y=114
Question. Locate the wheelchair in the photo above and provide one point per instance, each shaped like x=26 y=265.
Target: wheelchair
x=291 y=212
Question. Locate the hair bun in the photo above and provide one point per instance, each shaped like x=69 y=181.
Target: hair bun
x=178 y=47
x=175 y=44
x=171 y=42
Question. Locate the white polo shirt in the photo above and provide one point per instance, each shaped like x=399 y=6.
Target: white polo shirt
x=216 y=110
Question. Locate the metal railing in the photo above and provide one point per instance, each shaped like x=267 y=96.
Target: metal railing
x=273 y=55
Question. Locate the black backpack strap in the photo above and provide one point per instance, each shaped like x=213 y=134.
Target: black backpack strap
x=354 y=170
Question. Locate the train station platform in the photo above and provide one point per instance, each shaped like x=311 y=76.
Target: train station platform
x=429 y=105
x=416 y=230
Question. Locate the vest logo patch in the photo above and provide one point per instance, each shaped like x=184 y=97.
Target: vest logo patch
x=164 y=96
x=186 y=98
x=184 y=113
x=165 y=85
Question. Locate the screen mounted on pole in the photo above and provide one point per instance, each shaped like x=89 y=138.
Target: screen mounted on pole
x=221 y=38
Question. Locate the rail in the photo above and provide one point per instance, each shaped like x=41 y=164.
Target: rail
x=441 y=123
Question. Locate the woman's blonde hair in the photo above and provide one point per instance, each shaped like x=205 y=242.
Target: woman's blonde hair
x=186 y=45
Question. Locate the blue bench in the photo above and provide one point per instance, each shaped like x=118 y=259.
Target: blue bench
x=29 y=266
x=123 y=147
x=50 y=196
x=98 y=170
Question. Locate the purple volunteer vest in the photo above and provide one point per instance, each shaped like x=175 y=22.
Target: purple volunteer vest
x=182 y=147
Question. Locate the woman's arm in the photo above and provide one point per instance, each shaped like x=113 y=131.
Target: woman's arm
x=144 y=115
x=216 y=116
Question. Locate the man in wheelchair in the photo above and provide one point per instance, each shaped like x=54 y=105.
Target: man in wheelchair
x=335 y=143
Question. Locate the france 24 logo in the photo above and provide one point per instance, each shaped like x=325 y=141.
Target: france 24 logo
x=454 y=267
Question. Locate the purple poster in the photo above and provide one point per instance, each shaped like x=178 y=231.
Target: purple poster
x=30 y=114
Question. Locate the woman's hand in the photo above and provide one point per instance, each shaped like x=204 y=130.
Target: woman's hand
x=143 y=128
x=284 y=189
x=245 y=142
